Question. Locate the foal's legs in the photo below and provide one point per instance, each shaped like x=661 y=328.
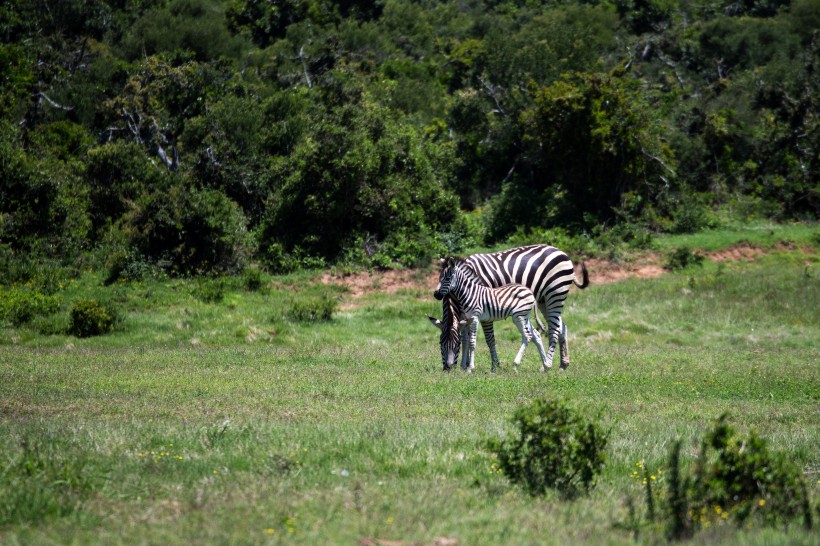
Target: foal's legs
x=522 y=322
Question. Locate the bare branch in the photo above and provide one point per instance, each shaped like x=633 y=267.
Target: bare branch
x=54 y=103
x=511 y=171
x=304 y=67
x=493 y=92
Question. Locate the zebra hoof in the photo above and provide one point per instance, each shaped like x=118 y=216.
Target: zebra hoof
x=564 y=366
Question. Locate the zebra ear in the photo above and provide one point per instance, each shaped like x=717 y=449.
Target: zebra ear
x=436 y=322
x=451 y=261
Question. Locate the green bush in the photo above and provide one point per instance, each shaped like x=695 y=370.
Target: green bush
x=313 y=308
x=210 y=290
x=276 y=260
x=556 y=448
x=19 y=305
x=683 y=257
x=736 y=479
x=741 y=476
x=92 y=318
x=691 y=217
x=252 y=280
x=186 y=230
x=129 y=265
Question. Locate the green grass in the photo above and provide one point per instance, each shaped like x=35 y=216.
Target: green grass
x=231 y=423
x=758 y=234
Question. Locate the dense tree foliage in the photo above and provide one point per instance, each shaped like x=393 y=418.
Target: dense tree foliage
x=196 y=136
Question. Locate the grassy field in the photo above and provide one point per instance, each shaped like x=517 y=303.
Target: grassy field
x=231 y=423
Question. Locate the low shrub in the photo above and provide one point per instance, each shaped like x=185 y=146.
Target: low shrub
x=682 y=258
x=210 y=289
x=556 y=448
x=20 y=305
x=252 y=280
x=215 y=238
x=92 y=318
x=129 y=265
x=734 y=479
x=313 y=308
x=740 y=477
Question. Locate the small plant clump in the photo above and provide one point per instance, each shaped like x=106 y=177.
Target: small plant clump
x=210 y=289
x=682 y=258
x=252 y=280
x=313 y=308
x=556 y=448
x=91 y=318
x=20 y=305
x=738 y=478
x=734 y=479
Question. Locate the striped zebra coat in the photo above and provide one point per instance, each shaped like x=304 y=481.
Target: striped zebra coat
x=485 y=304
x=545 y=270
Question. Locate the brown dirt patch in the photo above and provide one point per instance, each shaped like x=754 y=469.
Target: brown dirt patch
x=742 y=252
x=606 y=272
x=366 y=282
x=601 y=271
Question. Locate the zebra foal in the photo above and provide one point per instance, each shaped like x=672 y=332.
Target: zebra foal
x=480 y=303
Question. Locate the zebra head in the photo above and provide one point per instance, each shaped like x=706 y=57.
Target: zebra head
x=445 y=278
x=450 y=338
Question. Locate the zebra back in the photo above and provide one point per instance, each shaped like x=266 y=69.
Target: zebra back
x=458 y=281
x=544 y=269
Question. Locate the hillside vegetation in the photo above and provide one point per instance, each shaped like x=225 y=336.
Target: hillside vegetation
x=201 y=136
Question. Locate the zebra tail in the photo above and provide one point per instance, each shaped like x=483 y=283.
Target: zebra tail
x=584 y=275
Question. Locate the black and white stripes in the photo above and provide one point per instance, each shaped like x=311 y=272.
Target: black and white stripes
x=484 y=304
x=546 y=271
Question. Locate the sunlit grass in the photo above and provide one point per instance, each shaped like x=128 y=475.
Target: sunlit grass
x=758 y=234
x=329 y=432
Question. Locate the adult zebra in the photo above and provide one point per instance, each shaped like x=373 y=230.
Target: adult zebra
x=480 y=303
x=545 y=270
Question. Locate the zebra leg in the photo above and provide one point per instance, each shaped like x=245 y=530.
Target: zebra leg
x=554 y=328
x=536 y=337
x=489 y=337
x=524 y=328
x=465 y=346
x=472 y=327
x=563 y=344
